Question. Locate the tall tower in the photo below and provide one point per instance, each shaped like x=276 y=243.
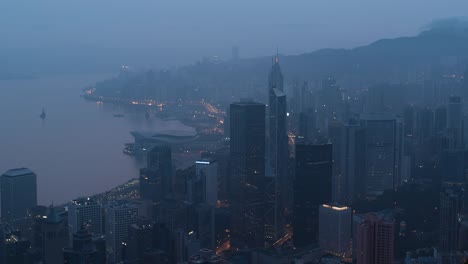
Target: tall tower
x=277 y=142
x=383 y=148
x=312 y=188
x=348 y=160
x=451 y=211
x=247 y=151
x=275 y=77
x=18 y=190
x=455 y=121
x=55 y=237
x=160 y=162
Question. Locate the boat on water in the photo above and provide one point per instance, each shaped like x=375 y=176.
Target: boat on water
x=43 y=114
x=119 y=115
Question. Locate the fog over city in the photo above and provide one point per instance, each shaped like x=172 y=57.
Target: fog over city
x=42 y=36
x=233 y=132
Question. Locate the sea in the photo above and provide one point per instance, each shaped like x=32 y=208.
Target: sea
x=76 y=150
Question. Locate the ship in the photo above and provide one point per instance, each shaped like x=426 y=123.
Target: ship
x=43 y=114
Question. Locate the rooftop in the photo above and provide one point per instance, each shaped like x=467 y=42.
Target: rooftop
x=17 y=172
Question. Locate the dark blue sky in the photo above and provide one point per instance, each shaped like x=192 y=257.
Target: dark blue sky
x=161 y=33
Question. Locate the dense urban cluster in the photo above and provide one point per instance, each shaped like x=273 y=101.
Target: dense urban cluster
x=325 y=175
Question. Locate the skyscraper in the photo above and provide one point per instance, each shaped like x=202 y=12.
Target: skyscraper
x=335 y=229
x=151 y=185
x=348 y=160
x=455 y=121
x=204 y=186
x=55 y=237
x=140 y=240
x=160 y=161
x=312 y=188
x=451 y=211
x=278 y=153
x=247 y=172
x=119 y=216
x=18 y=193
x=383 y=147
x=85 y=213
x=375 y=239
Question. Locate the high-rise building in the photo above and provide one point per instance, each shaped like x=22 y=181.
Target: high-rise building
x=140 y=240
x=348 y=160
x=55 y=237
x=452 y=164
x=331 y=97
x=119 y=215
x=375 y=239
x=278 y=152
x=275 y=77
x=85 y=213
x=203 y=187
x=160 y=161
x=455 y=121
x=307 y=126
x=247 y=151
x=335 y=229
x=151 y=185
x=383 y=152
x=83 y=250
x=204 y=225
x=312 y=188
x=451 y=211
x=18 y=190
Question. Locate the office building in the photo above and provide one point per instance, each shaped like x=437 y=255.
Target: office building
x=203 y=187
x=383 y=148
x=348 y=160
x=247 y=151
x=54 y=236
x=151 y=185
x=18 y=191
x=160 y=161
x=312 y=188
x=140 y=241
x=335 y=229
x=451 y=210
x=455 y=121
x=119 y=215
x=85 y=213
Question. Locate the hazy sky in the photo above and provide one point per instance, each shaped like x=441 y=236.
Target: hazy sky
x=172 y=32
